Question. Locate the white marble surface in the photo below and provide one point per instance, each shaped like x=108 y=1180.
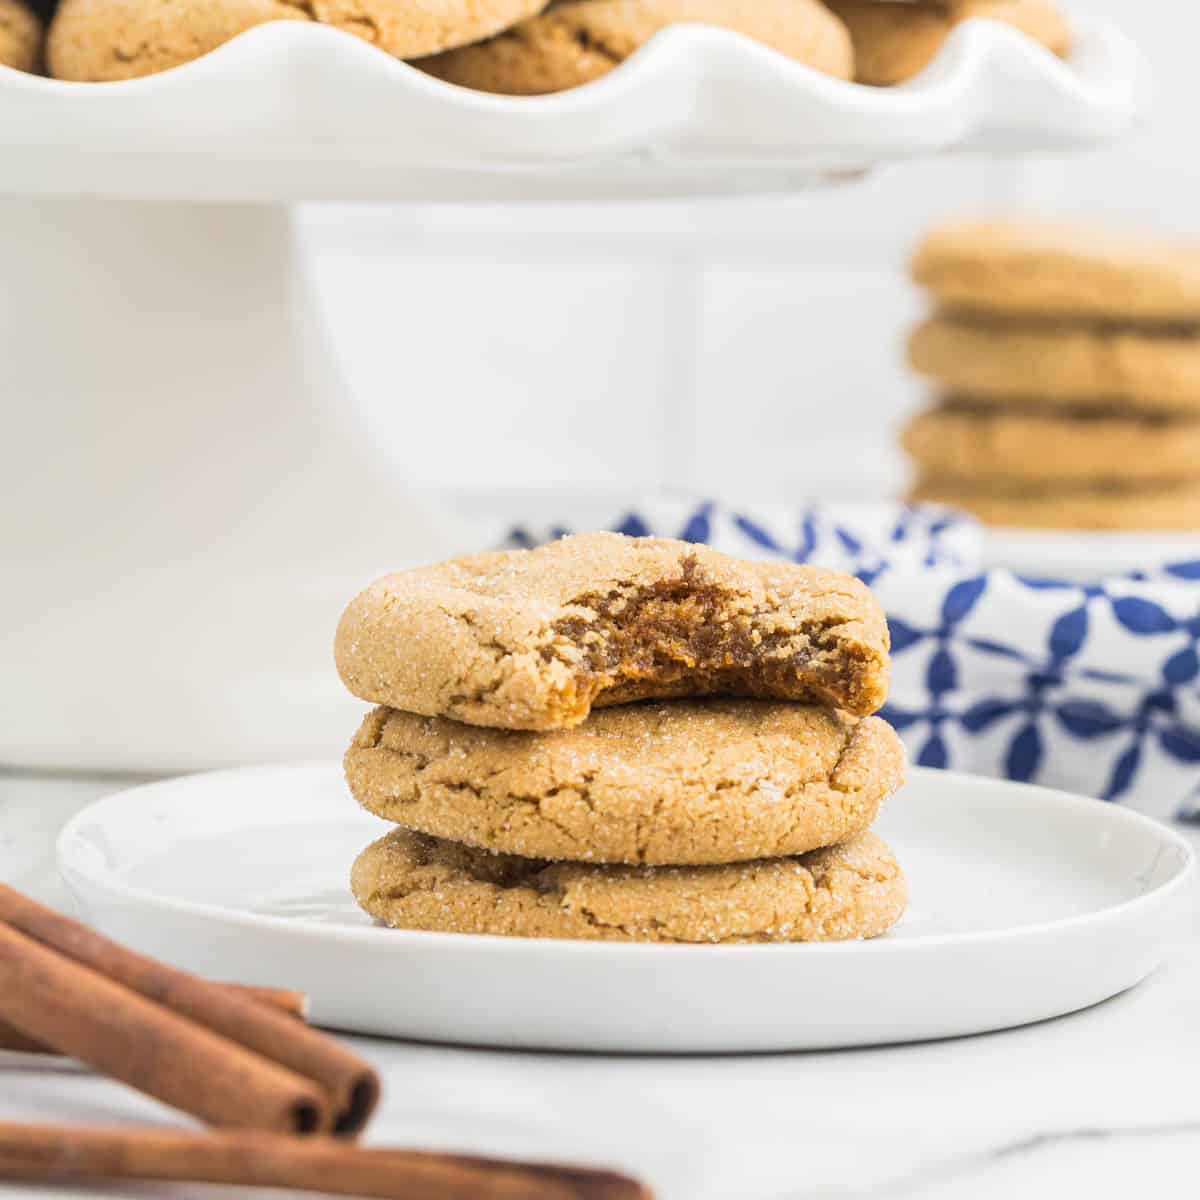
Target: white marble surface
x=1104 y=1103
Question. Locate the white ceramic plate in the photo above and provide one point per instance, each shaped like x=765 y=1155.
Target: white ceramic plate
x=1084 y=556
x=1026 y=904
x=292 y=111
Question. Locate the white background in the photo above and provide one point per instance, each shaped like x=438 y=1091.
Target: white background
x=488 y=351
x=748 y=347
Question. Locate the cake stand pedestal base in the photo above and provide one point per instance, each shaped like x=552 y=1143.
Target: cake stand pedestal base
x=187 y=504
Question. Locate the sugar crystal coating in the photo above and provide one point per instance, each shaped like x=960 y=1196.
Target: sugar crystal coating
x=533 y=639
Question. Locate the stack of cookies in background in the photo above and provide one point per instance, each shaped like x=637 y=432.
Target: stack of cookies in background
x=623 y=739
x=1066 y=362
x=521 y=47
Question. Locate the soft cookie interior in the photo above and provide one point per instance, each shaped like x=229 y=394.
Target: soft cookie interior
x=532 y=639
x=688 y=637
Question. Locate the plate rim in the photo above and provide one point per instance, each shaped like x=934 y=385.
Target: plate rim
x=112 y=888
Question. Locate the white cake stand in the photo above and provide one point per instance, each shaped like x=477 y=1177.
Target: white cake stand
x=186 y=501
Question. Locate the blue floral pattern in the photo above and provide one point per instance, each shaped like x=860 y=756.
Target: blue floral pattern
x=1090 y=687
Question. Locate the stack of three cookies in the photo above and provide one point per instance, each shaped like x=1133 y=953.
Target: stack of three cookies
x=623 y=739
x=1067 y=361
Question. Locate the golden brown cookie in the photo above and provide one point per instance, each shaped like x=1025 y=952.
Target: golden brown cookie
x=963 y=441
x=532 y=639
x=893 y=41
x=21 y=37
x=123 y=39
x=1060 y=269
x=686 y=782
x=1150 y=506
x=1080 y=365
x=842 y=893
x=577 y=41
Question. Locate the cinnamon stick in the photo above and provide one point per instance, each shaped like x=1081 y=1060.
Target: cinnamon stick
x=81 y=1013
x=295 y=1004
x=348 y=1079
x=44 y=1152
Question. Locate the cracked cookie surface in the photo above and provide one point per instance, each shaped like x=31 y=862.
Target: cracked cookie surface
x=688 y=782
x=1077 y=364
x=576 y=41
x=533 y=639
x=1060 y=269
x=21 y=36
x=103 y=40
x=893 y=42
x=411 y=881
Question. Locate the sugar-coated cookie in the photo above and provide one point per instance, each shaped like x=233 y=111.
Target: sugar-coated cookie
x=683 y=782
x=532 y=639
x=576 y=41
x=1076 y=364
x=963 y=441
x=894 y=40
x=1060 y=268
x=122 y=39
x=412 y=881
x=1143 y=507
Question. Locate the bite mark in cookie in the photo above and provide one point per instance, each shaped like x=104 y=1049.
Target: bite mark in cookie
x=533 y=639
